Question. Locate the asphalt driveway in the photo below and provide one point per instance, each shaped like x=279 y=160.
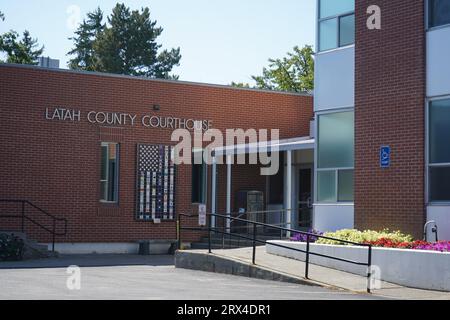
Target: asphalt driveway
x=141 y=277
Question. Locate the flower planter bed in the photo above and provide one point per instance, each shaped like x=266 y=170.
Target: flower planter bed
x=424 y=269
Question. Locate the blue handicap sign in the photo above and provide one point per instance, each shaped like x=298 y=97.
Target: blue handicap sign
x=385 y=156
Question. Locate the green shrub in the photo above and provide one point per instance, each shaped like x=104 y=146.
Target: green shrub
x=364 y=236
x=11 y=247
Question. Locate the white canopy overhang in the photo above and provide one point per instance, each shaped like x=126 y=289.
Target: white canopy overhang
x=285 y=145
x=301 y=143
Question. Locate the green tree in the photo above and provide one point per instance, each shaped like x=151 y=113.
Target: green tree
x=127 y=44
x=24 y=51
x=85 y=55
x=295 y=72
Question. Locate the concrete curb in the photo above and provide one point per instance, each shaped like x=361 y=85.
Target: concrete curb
x=218 y=264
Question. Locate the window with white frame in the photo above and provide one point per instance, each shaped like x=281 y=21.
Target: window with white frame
x=335 y=157
x=109 y=172
x=438 y=13
x=336 y=23
x=439 y=151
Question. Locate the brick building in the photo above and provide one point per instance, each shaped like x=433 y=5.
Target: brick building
x=75 y=144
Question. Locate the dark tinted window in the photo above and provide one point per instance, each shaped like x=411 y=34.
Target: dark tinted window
x=346 y=30
x=440 y=184
x=438 y=12
x=198 y=182
x=440 y=131
x=109 y=172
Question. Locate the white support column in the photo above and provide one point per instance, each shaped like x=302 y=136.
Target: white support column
x=228 y=191
x=213 y=190
x=288 y=193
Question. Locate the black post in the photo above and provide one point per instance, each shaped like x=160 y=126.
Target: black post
x=178 y=232
x=307 y=257
x=23 y=216
x=209 y=234
x=54 y=234
x=369 y=268
x=254 y=243
x=224 y=222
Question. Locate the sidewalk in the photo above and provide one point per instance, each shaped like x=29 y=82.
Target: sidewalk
x=326 y=277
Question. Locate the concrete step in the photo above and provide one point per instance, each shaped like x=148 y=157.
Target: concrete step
x=234 y=242
x=38 y=246
x=227 y=245
x=227 y=238
x=202 y=245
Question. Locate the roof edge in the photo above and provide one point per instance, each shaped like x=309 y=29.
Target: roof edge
x=121 y=76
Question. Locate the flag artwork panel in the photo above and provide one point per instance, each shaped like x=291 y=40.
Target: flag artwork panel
x=155 y=182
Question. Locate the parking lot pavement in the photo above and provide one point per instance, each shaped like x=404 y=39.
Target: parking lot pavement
x=142 y=277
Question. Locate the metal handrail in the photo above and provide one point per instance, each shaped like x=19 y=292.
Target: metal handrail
x=265 y=214
x=24 y=217
x=254 y=239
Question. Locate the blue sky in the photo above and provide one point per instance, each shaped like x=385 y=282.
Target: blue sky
x=221 y=41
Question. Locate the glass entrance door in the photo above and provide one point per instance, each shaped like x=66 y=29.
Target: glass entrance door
x=305 y=200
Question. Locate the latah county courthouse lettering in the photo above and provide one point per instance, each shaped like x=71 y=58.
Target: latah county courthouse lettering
x=118 y=118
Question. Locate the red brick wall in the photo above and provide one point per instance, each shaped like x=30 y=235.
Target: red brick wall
x=389 y=110
x=56 y=164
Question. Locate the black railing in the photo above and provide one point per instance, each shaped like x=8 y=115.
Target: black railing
x=25 y=216
x=254 y=239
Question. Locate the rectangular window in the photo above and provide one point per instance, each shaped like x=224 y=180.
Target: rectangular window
x=335 y=157
x=439 y=184
x=345 y=185
x=109 y=172
x=329 y=8
x=440 y=131
x=336 y=24
x=326 y=186
x=328 y=34
x=438 y=13
x=439 y=151
x=199 y=175
x=336 y=140
x=346 y=30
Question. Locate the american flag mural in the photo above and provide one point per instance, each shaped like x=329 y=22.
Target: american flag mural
x=155 y=182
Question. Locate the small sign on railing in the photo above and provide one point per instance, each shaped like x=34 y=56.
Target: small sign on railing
x=202 y=215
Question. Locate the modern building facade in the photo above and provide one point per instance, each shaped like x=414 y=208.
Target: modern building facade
x=383 y=93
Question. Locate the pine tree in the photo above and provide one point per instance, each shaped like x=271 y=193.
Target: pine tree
x=126 y=45
x=86 y=34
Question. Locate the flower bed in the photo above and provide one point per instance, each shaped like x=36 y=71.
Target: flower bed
x=442 y=246
x=384 y=239
x=424 y=269
x=302 y=237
